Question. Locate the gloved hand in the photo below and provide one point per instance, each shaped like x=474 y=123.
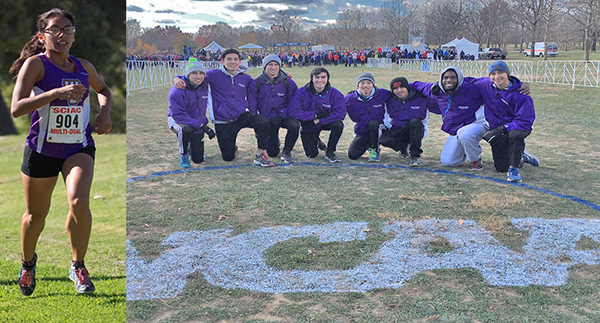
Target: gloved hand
x=491 y=135
x=208 y=131
x=323 y=114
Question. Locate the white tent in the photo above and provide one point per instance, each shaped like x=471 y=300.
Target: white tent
x=464 y=45
x=250 y=46
x=214 y=47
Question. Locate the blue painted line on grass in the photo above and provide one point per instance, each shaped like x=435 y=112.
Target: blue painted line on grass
x=439 y=171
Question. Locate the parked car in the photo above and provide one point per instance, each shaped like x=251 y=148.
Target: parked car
x=492 y=53
x=552 y=49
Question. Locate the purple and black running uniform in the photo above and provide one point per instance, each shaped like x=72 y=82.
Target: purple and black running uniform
x=60 y=128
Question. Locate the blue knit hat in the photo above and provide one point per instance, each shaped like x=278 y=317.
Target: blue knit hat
x=499 y=66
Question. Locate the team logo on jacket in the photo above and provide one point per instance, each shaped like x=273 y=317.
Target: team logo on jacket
x=415 y=107
x=378 y=106
x=242 y=85
x=463 y=107
x=205 y=96
x=504 y=101
x=326 y=105
x=281 y=94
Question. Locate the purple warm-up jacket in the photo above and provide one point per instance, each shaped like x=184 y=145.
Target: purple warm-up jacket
x=415 y=106
x=361 y=110
x=188 y=106
x=457 y=109
x=506 y=107
x=273 y=98
x=306 y=103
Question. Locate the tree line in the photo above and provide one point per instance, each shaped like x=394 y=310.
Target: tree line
x=573 y=24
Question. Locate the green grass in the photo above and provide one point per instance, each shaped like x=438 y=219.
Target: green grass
x=566 y=138
x=55 y=298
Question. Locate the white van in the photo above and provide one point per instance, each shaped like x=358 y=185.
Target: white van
x=552 y=49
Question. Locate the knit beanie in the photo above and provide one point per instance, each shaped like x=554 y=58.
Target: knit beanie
x=499 y=66
x=399 y=82
x=271 y=58
x=365 y=76
x=193 y=65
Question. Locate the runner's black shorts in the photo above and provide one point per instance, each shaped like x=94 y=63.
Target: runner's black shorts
x=40 y=166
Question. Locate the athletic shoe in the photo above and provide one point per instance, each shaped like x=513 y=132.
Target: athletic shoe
x=26 y=279
x=322 y=145
x=184 y=161
x=330 y=156
x=530 y=159
x=81 y=277
x=373 y=155
x=514 y=175
x=262 y=160
x=477 y=165
x=414 y=161
x=286 y=156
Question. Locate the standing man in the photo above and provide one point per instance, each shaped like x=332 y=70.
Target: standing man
x=319 y=107
x=230 y=111
x=366 y=108
x=510 y=115
x=409 y=111
x=269 y=94
x=461 y=107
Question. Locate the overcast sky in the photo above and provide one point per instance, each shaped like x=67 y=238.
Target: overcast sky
x=188 y=15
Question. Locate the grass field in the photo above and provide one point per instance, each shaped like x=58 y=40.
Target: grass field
x=566 y=139
x=55 y=298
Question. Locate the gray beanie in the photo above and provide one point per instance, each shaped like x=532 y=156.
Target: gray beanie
x=194 y=66
x=271 y=58
x=365 y=76
x=499 y=66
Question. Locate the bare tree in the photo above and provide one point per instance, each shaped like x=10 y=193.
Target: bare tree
x=396 y=16
x=287 y=23
x=586 y=14
x=445 y=19
x=535 y=17
x=134 y=31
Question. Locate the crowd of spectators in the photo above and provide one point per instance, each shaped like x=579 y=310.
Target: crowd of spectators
x=348 y=58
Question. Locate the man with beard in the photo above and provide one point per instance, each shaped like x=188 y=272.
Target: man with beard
x=461 y=107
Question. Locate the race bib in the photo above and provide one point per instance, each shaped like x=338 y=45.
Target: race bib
x=65 y=125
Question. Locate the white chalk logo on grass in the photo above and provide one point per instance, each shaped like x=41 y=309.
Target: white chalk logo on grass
x=237 y=261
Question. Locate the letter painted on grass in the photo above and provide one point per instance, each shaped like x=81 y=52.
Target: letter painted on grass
x=237 y=261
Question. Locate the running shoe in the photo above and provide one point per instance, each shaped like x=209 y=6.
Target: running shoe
x=530 y=159
x=373 y=155
x=477 y=165
x=184 y=161
x=81 y=277
x=286 y=156
x=414 y=162
x=26 y=279
x=262 y=160
x=514 y=175
x=331 y=157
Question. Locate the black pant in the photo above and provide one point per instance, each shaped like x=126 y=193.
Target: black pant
x=399 y=138
x=186 y=136
x=293 y=131
x=310 y=140
x=508 y=150
x=227 y=133
x=360 y=143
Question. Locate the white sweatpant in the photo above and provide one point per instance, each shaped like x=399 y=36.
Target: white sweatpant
x=464 y=146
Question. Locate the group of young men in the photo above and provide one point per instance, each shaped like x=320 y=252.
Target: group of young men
x=491 y=108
